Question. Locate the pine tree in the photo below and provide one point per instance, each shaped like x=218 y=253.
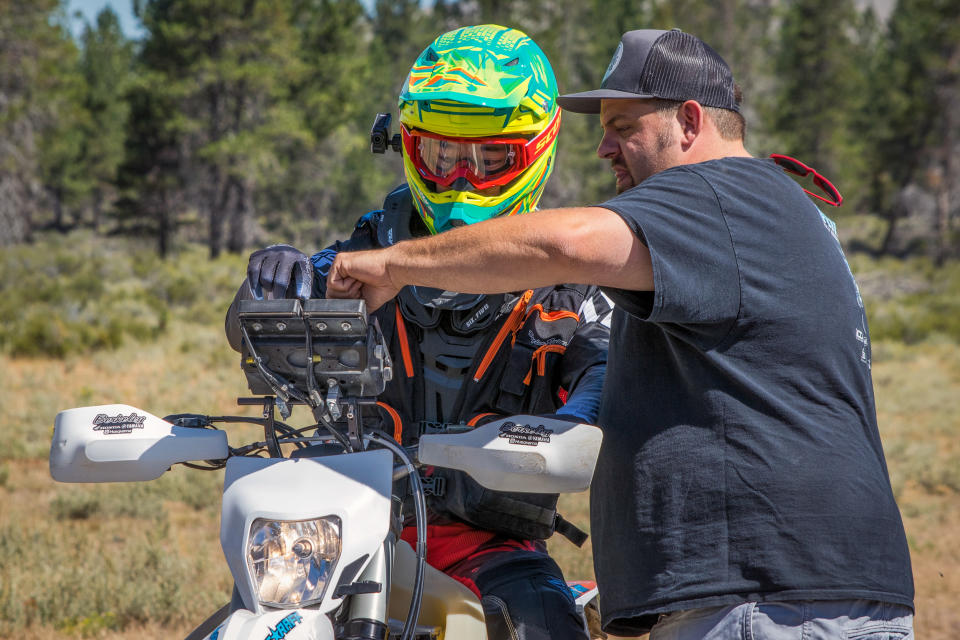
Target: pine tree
x=229 y=66
x=39 y=111
x=915 y=99
x=349 y=77
x=153 y=175
x=819 y=86
x=105 y=63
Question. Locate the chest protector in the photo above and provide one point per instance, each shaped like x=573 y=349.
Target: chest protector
x=464 y=359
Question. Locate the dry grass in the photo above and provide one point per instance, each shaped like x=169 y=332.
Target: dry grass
x=918 y=402
x=102 y=562
x=143 y=561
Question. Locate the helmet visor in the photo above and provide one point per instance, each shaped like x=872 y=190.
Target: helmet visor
x=483 y=162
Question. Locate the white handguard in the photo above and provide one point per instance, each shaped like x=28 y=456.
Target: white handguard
x=520 y=453
x=301 y=624
x=120 y=443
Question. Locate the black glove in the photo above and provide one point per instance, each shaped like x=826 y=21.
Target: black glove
x=279 y=271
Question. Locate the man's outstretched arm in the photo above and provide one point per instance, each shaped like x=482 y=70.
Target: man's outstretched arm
x=589 y=245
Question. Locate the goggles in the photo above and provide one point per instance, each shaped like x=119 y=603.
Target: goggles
x=483 y=162
x=794 y=166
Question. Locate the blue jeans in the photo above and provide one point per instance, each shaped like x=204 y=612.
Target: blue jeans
x=797 y=620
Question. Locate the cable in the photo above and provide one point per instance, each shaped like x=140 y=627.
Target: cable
x=420 y=511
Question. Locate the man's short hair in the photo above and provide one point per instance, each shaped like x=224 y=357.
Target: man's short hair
x=730 y=124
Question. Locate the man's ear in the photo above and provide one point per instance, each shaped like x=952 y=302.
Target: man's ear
x=691 y=117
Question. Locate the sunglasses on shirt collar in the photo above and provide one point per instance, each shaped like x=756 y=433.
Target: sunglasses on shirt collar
x=794 y=166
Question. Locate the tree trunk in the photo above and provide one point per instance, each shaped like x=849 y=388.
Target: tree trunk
x=950 y=97
x=893 y=214
x=943 y=223
x=219 y=200
x=57 y=209
x=163 y=225
x=14 y=211
x=215 y=239
x=242 y=215
x=97 y=209
x=218 y=190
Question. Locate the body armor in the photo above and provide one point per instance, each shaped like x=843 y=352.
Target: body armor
x=463 y=359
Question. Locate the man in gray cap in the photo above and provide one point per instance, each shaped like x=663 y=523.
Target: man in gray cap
x=742 y=490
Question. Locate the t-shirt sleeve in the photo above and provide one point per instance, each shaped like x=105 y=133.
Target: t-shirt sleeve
x=677 y=215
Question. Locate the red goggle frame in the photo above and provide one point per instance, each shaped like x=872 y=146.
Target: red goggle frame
x=444 y=160
x=794 y=166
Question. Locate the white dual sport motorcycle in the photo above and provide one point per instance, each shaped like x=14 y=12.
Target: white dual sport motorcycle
x=310 y=523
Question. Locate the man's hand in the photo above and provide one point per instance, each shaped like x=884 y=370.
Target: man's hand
x=362 y=274
x=279 y=271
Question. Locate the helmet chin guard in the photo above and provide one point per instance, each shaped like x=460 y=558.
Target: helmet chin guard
x=466 y=313
x=440 y=299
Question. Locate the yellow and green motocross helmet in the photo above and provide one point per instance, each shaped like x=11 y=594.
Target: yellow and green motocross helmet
x=479 y=121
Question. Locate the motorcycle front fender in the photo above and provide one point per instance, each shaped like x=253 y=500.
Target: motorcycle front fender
x=298 y=624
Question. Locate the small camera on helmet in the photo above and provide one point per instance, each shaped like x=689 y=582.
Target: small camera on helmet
x=380 y=137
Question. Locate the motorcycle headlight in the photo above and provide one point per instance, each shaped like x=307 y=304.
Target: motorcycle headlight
x=291 y=561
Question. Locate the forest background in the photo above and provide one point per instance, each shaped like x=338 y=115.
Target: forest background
x=136 y=175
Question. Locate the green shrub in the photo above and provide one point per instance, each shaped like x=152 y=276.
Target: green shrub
x=91 y=625
x=940 y=475
x=199 y=490
x=910 y=301
x=134 y=500
x=75 y=506
x=77 y=293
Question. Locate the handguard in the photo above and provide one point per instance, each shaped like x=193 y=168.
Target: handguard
x=120 y=443
x=528 y=454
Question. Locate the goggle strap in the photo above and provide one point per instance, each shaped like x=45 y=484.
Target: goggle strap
x=542 y=138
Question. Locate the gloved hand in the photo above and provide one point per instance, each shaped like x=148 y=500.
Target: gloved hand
x=279 y=271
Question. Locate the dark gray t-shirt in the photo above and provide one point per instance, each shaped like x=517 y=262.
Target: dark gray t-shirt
x=741 y=457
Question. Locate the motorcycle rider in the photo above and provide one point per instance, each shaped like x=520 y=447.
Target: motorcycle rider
x=479 y=123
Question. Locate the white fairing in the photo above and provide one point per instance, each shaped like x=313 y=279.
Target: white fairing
x=520 y=453
x=354 y=487
x=120 y=443
x=300 y=624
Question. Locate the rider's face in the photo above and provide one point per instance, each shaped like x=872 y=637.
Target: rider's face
x=493 y=156
x=449 y=155
x=445 y=157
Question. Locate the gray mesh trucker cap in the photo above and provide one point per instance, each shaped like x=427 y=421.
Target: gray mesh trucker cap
x=651 y=63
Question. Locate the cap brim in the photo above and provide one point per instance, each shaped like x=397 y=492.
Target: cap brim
x=589 y=101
